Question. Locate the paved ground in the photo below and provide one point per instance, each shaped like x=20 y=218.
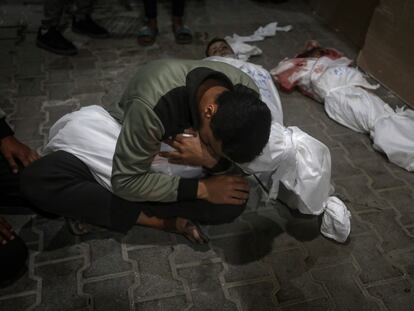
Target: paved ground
x=268 y=259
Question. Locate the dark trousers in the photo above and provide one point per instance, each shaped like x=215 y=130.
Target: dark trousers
x=53 y=10
x=9 y=187
x=61 y=184
x=13 y=255
x=150 y=7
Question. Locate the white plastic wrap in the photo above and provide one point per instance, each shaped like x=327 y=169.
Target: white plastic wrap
x=262 y=79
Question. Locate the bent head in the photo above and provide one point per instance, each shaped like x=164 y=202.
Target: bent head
x=236 y=125
x=219 y=47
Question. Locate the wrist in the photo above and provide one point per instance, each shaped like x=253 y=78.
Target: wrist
x=201 y=190
x=210 y=163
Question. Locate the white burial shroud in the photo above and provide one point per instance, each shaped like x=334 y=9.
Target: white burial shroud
x=263 y=81
x=343 y=89
x=291 y=156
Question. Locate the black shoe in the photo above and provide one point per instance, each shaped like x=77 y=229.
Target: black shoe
x=88 y=27
x=52 y=40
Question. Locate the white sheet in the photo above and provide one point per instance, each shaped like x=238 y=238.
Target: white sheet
x=347 y=101
x=303 y=165
x=263 y=80
x=291 y=156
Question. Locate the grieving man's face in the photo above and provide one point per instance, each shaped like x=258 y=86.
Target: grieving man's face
x=220 y=48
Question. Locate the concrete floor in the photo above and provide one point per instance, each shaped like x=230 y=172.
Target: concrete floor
x=268 y=259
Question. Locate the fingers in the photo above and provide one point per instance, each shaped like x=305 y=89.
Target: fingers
x=9 y=158
x=190 y=131
x=236 y=201
x=172 y=156
x=6 y=232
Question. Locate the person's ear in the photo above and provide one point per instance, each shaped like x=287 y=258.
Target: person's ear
x=210 y=110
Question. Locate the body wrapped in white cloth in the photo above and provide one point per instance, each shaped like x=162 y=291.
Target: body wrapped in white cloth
x=292 y=157
x=262 y=79
x=344 y=91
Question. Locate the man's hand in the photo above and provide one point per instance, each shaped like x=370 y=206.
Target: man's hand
x=189 y=150
x=13 y=149
x=6 y=231
x=224 y=189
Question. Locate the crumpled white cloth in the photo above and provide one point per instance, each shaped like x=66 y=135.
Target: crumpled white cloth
x=343 y=90
x=299 y=161
x=262 y=79
x=303 y=165
x=243 y=50
x=336 y=221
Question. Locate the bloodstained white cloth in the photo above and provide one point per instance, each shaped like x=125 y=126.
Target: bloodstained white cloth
x=343 y=89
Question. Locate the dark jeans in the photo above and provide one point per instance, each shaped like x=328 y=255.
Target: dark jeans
x=61 y=184
x=53 y=10
x=13 y=255
x=150 y=7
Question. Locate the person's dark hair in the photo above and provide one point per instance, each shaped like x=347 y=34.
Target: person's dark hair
x=212 y=41
x=242 y=123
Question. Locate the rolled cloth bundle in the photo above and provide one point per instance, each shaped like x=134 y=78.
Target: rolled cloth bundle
x=344 y=91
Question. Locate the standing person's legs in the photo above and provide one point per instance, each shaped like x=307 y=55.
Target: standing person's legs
x=53 y=11
x=182 y=33
x=150 y=8
x=61 y=184
x=83 y=8
x=148 y=33
x=49 y=36
x=83 y=23
x=178 y=8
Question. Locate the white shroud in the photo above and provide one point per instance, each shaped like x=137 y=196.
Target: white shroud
x=300 y=162
x=347 y=101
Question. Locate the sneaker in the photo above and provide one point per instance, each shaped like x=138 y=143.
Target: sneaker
x=88 y=27
x=52 y=40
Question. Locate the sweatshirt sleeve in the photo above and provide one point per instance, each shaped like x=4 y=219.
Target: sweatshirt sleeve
x=5 y=129
x=138 y=143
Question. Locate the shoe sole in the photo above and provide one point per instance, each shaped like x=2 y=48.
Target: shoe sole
x=93 y=36
x=56 y=51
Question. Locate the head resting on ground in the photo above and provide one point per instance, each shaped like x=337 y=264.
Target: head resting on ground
x=219 y=47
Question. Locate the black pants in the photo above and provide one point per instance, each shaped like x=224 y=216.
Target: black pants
x=53 y=10
x=150 y=7
x=61 y=184
x=13 y=255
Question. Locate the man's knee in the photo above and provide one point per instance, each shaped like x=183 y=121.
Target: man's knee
x=39 y=180
x=31 y=181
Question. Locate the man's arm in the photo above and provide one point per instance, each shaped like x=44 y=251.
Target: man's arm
x=138 y=143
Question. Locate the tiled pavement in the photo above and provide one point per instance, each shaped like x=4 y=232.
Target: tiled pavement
x=269 y=259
